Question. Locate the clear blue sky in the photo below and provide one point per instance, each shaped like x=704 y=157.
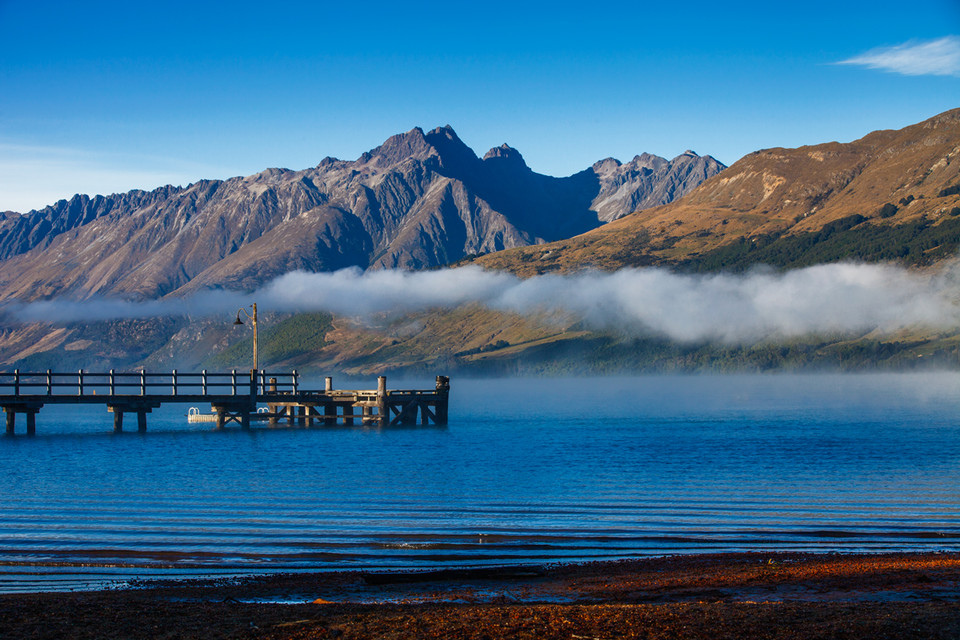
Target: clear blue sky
x=99 y=97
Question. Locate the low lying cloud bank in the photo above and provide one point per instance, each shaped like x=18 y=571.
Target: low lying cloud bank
x=761 y=305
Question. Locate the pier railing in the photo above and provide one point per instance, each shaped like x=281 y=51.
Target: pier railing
x=144 y=383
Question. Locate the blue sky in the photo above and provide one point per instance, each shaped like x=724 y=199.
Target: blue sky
x=100 y=97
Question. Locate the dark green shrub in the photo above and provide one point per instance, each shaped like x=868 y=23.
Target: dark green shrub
x=949 y=191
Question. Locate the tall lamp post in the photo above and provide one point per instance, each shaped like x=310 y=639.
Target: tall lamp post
x=252 y=318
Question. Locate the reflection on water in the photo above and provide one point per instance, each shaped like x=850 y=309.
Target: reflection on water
x=527 y=470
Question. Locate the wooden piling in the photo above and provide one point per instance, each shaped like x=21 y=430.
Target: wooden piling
x=443 y=400
x=329 y=414
x=11 y=421
x=273 y=410
x=383 y=411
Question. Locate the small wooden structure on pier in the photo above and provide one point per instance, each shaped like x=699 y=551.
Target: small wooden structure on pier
x=233 y=397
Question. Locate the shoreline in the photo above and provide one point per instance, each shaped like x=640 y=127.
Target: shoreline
x=742 y=595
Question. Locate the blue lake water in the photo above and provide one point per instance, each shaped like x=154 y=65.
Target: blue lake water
x=528 y=470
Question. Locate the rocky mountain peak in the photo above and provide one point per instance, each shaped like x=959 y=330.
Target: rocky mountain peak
x=268 y=175
x=404 y=146
x=687 y=156
x=606 y=166
x=647 y=181
x=505 y=154
x=456 y=158
x=648 y=161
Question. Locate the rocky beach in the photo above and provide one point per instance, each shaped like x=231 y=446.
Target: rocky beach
x=734 y=595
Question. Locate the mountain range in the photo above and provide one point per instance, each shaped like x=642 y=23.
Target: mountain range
x=893 y=195
x=417 y=201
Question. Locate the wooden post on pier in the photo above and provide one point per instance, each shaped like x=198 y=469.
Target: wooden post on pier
x=245 y=414
x=11 y=421
x=117 y=421
x=443 y=399
x=383 y=411
x=329 y=409
x=273 y=408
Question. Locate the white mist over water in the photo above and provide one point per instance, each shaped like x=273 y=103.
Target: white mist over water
x=833 y=298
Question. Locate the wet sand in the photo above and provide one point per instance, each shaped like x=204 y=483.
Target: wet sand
x=785 y=595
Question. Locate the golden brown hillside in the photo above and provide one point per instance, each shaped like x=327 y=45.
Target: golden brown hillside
x=890 y=178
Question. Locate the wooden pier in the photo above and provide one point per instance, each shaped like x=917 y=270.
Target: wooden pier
x=234 y=398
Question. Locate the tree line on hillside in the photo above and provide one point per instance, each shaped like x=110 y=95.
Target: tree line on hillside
x=913 y=243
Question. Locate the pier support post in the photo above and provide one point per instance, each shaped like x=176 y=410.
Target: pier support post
x=274 y=409
x=348 y=415
x=443 y=399
x=329 y=414
x=383 y=411
x=141 y=408
x=29 y=411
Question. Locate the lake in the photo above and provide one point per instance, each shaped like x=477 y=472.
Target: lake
x=527 y=470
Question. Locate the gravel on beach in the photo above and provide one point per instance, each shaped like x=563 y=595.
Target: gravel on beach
x=748 y=595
